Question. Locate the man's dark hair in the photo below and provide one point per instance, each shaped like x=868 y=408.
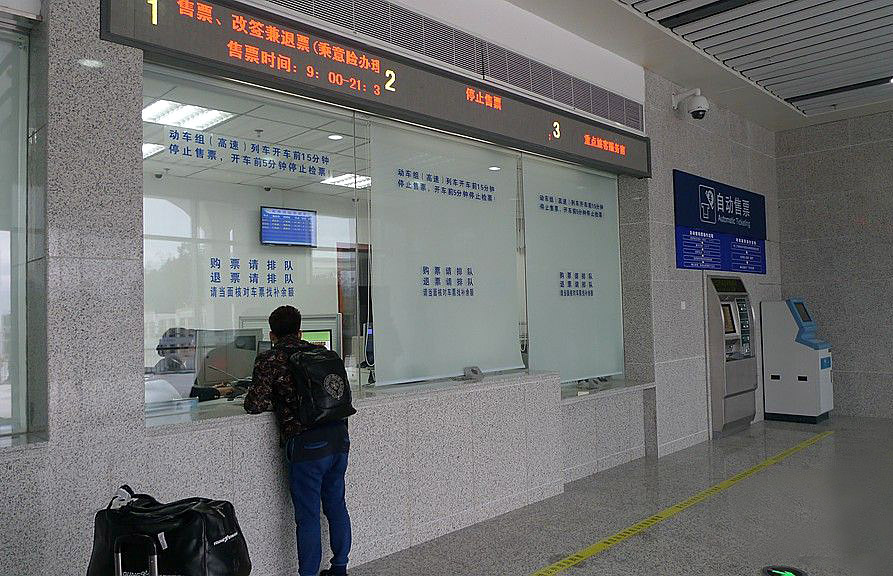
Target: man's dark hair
x=285 y=320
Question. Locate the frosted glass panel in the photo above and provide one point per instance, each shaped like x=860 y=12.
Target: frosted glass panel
x=185 y=277
x=444 y=266
x=573 y=270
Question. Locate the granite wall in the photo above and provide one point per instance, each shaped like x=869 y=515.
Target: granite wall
x=669 y=316
x=835 y=199
x=602 y=431
x=422 y=464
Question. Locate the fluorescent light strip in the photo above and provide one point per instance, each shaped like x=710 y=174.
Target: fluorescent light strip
x=180 y=115
x=151 y=149
x=349 y=181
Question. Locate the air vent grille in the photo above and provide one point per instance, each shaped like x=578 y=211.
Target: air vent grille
x=582 y=94
x=563 y=87
x=600 y=102
x=440 y=41
x=374 y=19
x=633 y=115
x=616 y=108
x=468 y=52
x=335 y=11
x=496 y=62
x=541 y=79
x=407 y=29
x=397 y=25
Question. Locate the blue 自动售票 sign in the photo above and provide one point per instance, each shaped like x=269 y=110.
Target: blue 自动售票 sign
x=718 y=227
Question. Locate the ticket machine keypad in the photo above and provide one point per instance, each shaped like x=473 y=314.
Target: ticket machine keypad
x=744 y=318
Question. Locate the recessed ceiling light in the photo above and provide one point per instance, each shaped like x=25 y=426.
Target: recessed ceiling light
x=335 y=137
x=90 y=63
x=494 y=168
x=349 y=181
x=183 y=115
x=151 y=149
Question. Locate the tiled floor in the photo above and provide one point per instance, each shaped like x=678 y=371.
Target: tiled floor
x=825 y=509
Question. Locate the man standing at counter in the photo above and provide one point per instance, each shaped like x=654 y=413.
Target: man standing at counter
x=317 y=456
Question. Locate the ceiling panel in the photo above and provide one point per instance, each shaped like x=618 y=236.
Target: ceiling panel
x=804 y=21
x=678 y=8
x=855 y=49
x=829 y=64
x=830 y=78
x=810 y=43
x=737 y=18
x=818 y=55
x=257 y=129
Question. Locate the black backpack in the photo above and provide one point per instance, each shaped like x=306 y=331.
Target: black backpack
x=321 y=385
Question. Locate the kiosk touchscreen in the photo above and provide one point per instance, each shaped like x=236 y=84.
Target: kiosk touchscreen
x=796 y=364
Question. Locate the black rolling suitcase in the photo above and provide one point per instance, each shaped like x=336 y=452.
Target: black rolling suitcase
x=135 y=535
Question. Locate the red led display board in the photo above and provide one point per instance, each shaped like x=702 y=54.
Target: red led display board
x=243 y=42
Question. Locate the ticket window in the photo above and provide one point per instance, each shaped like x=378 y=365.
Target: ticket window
x=250 y=203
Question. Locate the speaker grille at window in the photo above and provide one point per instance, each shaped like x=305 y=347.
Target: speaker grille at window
x=439 y=41
x=374 y=19
x=407 y=29
x=397 y=25
x=338 y=12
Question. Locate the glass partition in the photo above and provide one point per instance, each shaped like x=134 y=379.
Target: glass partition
x=249 y=204
x=572 y=234
x=13 y=138
x=444 y=266
x=413 y=253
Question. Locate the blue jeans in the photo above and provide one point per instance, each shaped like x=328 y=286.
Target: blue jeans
x=312 y=482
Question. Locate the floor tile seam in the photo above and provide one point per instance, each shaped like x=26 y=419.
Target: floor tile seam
x=671 y=511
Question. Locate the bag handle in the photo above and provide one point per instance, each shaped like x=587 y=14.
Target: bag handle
x=120 y=541
x=122 y=497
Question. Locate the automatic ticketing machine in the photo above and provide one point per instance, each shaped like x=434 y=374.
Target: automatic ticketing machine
x=731 y=362
x=797 y=380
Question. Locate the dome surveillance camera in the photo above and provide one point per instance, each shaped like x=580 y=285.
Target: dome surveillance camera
x=159 y=175
x=267 y=188
x=692 y=102
x=698 y=107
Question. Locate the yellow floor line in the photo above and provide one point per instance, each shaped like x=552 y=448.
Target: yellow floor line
x=667 y=513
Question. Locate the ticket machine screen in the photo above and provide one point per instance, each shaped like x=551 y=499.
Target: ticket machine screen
x=801 y=310
x=728 y=319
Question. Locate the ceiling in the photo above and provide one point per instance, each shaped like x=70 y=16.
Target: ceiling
x=781 y=63
x=283 y=125
x=820 y=56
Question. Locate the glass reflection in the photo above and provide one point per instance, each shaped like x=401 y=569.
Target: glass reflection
x=210 y=279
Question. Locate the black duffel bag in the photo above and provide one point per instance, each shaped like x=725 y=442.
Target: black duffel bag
x=191 y=537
